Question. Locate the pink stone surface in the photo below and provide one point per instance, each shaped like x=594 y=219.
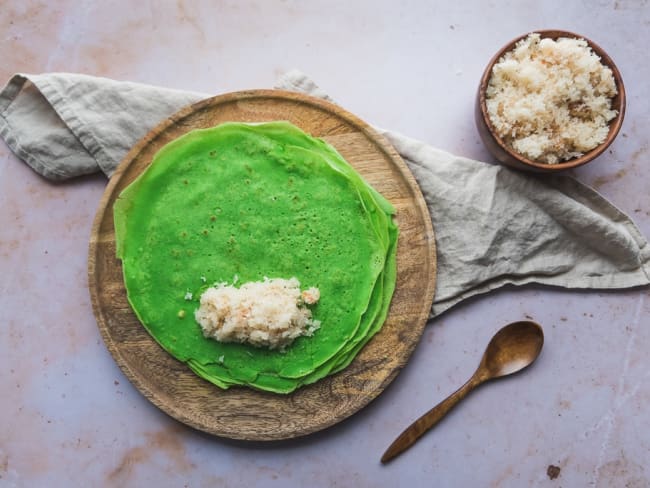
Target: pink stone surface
x=69 y=416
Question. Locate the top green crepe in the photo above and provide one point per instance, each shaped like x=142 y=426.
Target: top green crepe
x=237 y=203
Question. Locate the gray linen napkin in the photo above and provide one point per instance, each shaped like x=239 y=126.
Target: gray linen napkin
x=493 y=226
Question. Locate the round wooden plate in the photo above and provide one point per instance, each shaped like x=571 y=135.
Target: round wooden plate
x=242 y=413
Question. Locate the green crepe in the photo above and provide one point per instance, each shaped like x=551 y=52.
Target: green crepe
x=238 y=203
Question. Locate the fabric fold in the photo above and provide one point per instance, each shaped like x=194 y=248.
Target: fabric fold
x=65 y=124
x=493 y=226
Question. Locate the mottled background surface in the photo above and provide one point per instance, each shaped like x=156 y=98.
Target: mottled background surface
x=68 y=417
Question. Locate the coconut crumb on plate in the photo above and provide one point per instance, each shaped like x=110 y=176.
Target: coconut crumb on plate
x=271 y=313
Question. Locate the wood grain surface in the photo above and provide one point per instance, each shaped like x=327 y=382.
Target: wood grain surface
x=243 y=413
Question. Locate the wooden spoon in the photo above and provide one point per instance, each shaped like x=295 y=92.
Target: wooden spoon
x=511 y=349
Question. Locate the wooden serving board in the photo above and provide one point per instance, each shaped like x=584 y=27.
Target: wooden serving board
x=243 y=413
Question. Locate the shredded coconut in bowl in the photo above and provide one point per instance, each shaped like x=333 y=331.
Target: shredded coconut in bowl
x=270 y=313
x=550 y=100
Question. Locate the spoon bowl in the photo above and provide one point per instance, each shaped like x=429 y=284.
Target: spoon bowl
x=512 y=349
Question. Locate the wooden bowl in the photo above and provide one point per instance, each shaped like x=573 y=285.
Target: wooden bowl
x=508 y=156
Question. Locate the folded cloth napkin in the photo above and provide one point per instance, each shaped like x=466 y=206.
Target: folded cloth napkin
x=493 y=226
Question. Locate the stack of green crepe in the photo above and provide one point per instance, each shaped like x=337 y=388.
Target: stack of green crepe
x=237 y=203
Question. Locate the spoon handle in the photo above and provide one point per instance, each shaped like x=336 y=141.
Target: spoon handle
x=413 y=432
